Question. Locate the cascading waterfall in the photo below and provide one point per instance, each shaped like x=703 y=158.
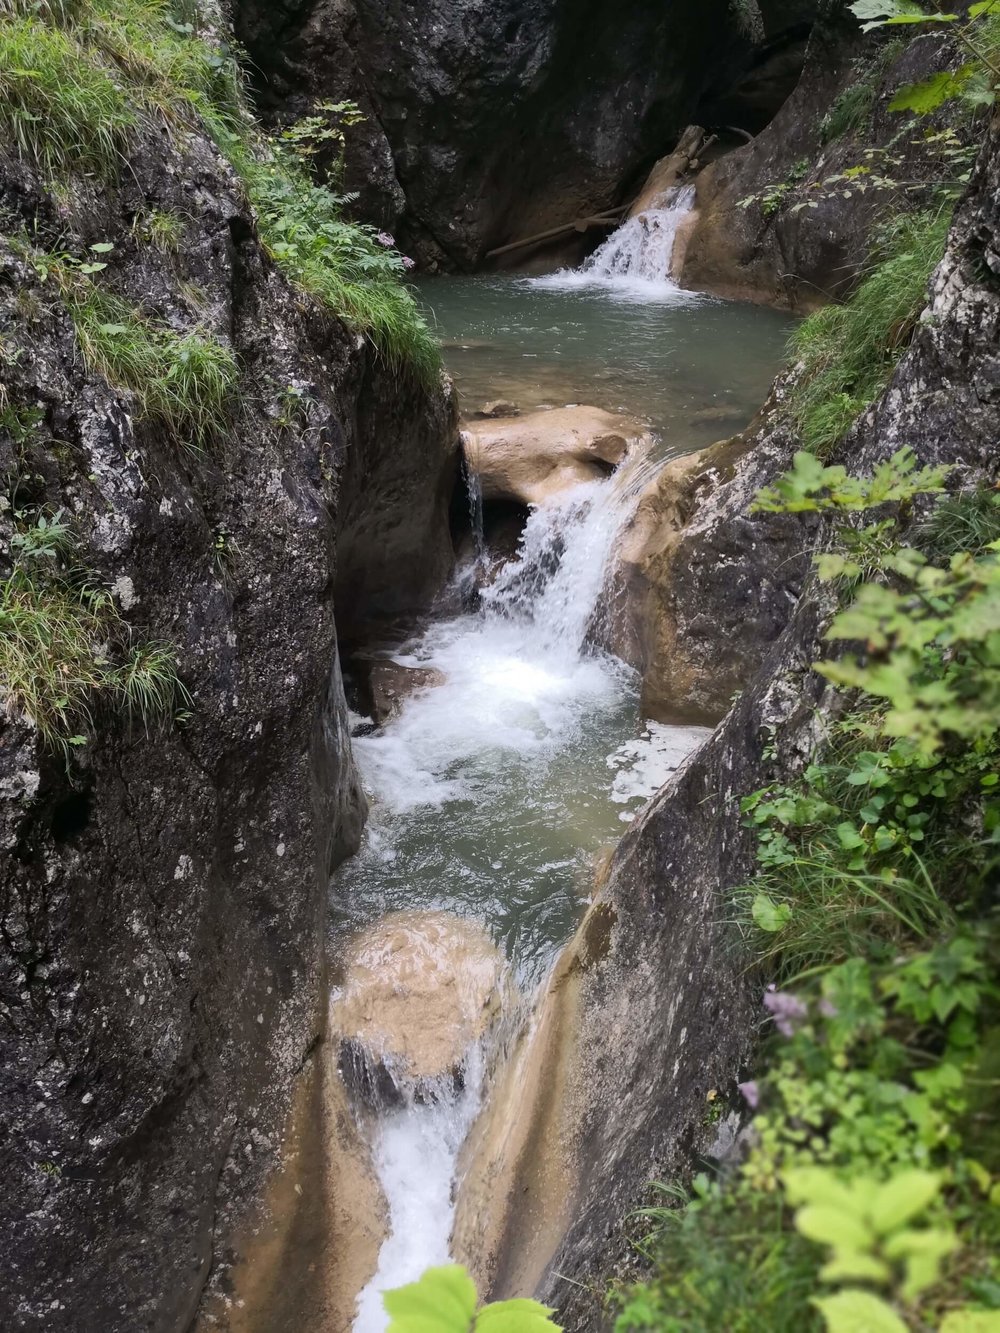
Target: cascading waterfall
x=635 y=259
x=490 y=793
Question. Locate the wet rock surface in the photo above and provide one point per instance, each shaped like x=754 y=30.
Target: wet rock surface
x=799 y=242
x=162 y=895
x=416 y=990
x=531 y=457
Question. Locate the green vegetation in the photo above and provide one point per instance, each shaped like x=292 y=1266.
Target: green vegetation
x=58 y=103
x=184 y=381
x=64 y=647
x=79 y=80
x=851 y=110
x=349 y=267
x=870 y=1197
x=848 y=352
x=444 y=1300
x=160 y=230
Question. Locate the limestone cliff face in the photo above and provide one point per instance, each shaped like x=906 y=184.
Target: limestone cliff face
x=486 y=122
x=799 y=242
x=652 y=1000
x=162 y=896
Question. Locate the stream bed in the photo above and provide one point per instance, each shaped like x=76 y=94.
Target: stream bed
x=492 y=792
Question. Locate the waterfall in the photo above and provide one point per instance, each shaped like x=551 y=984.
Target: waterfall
x=635 y=260
x=474 y=491
x=643 y=246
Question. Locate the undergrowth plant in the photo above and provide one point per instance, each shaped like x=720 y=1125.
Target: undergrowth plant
x=846 y=353
x=870 y=1195
x=65 y=650
x=183 y=380
x=444 y=1300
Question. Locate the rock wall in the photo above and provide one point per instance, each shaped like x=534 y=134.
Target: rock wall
x=487 y=122
x=162 y=895
x=653 y=997
x=807 y=245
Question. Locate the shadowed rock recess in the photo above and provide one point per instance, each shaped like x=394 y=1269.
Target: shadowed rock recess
x=487 y=122
x=162 y=895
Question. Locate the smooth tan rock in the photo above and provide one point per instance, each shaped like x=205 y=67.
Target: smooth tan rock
x=668 y=171
x=418 y=988
x=532 y=457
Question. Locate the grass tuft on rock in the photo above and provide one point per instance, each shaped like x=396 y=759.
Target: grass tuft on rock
x=848 y=352
x=184 y=380
x=59 y=106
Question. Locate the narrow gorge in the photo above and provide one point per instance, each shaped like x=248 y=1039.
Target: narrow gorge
x=500 y=658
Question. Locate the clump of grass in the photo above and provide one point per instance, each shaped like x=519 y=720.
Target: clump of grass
x=349 y=267
x=969 y=521
x=58 y=640
x=60 y=106
x=851 y=109
x=848 y=352
x=160 y=230
x=184 y=380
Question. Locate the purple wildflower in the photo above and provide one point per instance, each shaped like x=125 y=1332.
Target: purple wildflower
x=751 y=1093
x=384 y=238
x=787 y=1010
x=409 y=263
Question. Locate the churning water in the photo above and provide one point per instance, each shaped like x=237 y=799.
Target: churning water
x=492 y=791
x=634 y=262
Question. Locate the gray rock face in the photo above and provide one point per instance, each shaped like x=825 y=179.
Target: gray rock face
x=162 y=896
x=808 y=244
x=670 y=1011
x=491 y=121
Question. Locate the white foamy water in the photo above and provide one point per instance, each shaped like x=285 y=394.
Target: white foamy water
x=518 y=680
x=634 y=262
x=645 y=763
x=415 y=1151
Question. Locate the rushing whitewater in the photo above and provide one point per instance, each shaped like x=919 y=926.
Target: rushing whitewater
x=490 y=794
x=635 y=260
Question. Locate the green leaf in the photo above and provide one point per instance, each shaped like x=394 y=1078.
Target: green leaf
x=516 y=1316
x=971 y=1321
x=854 y=1311
x=929 y=94
x=903 y=1198
x=856 y=1267
x=443 y=1300
x=102 y=248
x=113 y=329
x=768 y=914
x=833 y=1226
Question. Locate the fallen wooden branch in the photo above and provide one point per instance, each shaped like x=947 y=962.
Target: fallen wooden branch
x=609 y=216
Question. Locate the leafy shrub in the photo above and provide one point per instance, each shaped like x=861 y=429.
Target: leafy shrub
x=874 y=909
x=848 y=352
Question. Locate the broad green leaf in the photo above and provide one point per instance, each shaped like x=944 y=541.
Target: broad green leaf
x=768 y=914
x=446 y=1295
x=853 y=1311
x=903 y=1198
x=856 y=1268
x=103 y=247
x=833 y=1226
x=929 y=94
x=516 y=1316
x=971 y=1321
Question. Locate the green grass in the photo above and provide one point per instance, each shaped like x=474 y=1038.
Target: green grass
x=58 y=105
x=60 y=636
x=161 y=230
x=848 y=352
x=183 y=380
x=341 y=264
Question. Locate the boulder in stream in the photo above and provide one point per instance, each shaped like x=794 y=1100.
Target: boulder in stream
x=418 y=989
x=530 y=458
